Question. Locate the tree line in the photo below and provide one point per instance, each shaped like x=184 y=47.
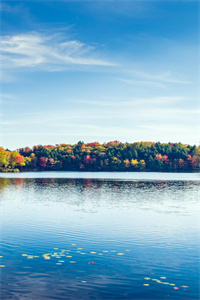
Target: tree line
x=111 y=156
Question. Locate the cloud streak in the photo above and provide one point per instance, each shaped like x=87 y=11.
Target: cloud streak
x=47 y=52
x=165 y=77
x=143 y=83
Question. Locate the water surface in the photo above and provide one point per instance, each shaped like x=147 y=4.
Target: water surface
x=99 y=236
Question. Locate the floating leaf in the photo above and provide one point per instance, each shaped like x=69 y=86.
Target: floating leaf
x=120 y=253
x=55 y=248
x=72 y=262
x=163 y=277
x=79 y=248
x=68 y=256
x=146 y=284
x=113 y=251
x=2 y=266
x=105 y=251
x=73 y=244
x=154 y=279
x=93 y=252
x=147 y=278
x=185 y=286
x=172 y=284
x=23 y=255
x=1 y=256
x=83 y=281
x=58 y=264
x=128 y=250
x=100 y=254
x=61 y=261
x=82 y=253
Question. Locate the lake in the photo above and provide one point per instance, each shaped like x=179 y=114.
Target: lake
x=78 y=235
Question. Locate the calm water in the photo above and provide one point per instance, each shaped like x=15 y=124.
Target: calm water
x=99 y=236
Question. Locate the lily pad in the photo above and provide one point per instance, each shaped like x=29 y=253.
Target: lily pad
x=146 y=284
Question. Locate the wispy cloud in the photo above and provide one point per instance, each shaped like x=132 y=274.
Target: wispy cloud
x=165 y=77
x=150 y=80
x=47 y=52
x=139 y=115
x=132 y=102
x=143 y=83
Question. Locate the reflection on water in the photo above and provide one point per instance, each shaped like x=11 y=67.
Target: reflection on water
x=65 y=238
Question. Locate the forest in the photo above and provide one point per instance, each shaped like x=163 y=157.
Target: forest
x=111 y=156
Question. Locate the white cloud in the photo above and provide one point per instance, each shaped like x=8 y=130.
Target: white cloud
x=162 y=77
x=47 y=52
x=132 y=102
x=143 y=83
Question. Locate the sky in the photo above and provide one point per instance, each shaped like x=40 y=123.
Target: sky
x=99 y=71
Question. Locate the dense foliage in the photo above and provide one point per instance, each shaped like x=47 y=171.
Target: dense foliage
x=112 y=156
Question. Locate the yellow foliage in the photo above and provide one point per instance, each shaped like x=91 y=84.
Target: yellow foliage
x=134 y=162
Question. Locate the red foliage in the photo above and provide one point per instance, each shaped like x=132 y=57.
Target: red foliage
x=27 y=149
x=88 y=159
x=95 y=144
x=48 y=146
x=42 y=162
x=35 y=147
x=165 y=159
x=19 y=159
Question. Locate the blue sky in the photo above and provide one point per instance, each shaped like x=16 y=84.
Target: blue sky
x=99 y=71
